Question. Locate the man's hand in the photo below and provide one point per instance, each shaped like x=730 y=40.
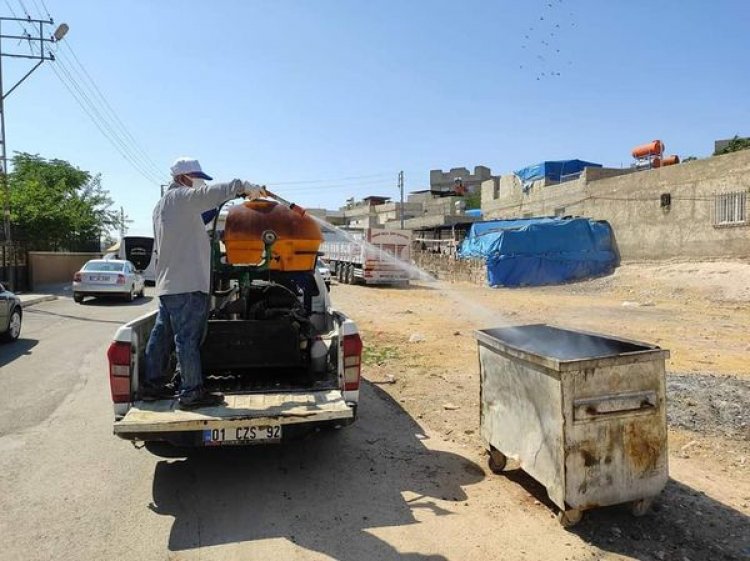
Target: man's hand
x=253 y=191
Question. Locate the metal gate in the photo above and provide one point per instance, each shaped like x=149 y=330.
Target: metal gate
x=14 y=268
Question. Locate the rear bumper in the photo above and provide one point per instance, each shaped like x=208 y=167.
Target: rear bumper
x=162 y=420
x=87 y=289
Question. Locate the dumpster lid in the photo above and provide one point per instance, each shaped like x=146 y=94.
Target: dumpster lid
x=561 y=348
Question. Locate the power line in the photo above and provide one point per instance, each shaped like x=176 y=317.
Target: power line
x=83 y=95
x=309 y=181
x=144 y=154
x=23 y=7
x=113 y=136
x=99 y=126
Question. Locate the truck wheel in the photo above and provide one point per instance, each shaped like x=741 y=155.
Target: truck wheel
x=350 y=274
x=640 y=507
x=77 y=298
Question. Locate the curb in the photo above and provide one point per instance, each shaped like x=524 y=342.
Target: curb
x=37 y=300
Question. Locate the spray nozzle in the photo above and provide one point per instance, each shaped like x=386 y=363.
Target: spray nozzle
x=292 y=206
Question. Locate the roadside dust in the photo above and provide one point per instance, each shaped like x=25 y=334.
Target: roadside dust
x=434 y=375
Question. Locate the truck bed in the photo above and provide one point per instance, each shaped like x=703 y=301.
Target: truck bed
x=249 y=409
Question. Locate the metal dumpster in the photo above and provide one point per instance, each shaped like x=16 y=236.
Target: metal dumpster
x=583 y=413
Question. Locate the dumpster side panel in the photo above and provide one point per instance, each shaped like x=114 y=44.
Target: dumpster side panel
x=615 y=434
x=521 y=416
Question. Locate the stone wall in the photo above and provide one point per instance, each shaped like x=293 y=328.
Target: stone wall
x=632 y=204
x=448 y=268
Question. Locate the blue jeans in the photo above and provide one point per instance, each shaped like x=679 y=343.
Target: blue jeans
x=183 y=315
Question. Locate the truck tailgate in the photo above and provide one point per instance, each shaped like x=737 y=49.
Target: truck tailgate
x=249 y=409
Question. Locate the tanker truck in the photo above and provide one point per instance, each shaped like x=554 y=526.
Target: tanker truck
x=286 y=360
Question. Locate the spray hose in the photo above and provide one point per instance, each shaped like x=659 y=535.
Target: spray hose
x=292 y=206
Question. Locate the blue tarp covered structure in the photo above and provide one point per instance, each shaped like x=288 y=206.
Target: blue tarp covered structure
x=553 y=170
x=539 y=251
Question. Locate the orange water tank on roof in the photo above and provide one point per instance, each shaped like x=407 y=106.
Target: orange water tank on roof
x=653 y=148
x=670 y=160
x=298 y=237
x=656 y=163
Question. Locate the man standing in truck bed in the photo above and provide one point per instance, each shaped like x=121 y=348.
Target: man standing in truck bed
x=183 y=268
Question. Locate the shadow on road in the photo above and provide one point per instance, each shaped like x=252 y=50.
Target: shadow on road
x=323 y=493
x=114 y=301
x=20 y=347
x=682 y=524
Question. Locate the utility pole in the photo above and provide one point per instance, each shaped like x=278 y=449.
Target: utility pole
x=122 y=222
x=39 y=35
x=162 y=186
x=401 y=189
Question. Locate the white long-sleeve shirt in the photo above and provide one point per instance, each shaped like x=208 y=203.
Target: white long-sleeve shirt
x=181 y=243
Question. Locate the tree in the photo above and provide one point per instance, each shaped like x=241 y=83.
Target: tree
x=735 y=145
x=56 y=206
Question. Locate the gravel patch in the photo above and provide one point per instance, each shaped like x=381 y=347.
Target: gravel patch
x=709 y=404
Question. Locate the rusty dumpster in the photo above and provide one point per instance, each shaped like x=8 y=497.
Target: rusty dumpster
x=582 y=413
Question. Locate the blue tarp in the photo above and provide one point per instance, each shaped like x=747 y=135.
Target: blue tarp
x=539 y=251
x=553 y=170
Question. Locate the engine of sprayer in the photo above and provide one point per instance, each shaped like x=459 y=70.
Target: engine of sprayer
x=263 y=289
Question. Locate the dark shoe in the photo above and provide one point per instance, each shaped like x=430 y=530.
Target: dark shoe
x=201 y=398
x=156 y=393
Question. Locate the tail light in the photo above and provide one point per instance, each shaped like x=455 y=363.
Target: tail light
x=77 y=277
x=118 y=355
x=352 y=361
x=120 y=279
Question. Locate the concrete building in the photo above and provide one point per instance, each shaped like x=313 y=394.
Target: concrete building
x=697 y=209
x=444 y=181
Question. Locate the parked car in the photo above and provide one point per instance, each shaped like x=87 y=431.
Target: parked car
x=11 y=315
x=325 y=271
x=108 y=277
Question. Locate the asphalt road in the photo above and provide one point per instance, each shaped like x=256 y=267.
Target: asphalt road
x=385 y=488
x=71 y=490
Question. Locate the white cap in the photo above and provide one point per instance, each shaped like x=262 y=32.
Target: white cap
x=188 y=166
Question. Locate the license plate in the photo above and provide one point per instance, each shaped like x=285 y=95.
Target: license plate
x=98 y=278
x=241 y=435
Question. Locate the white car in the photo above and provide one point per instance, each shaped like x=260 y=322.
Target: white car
x=108 y=277
x=325 y=272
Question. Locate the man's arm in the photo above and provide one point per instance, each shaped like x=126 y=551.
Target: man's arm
x=209 y=196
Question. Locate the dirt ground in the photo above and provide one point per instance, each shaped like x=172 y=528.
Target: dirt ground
x=419 y=348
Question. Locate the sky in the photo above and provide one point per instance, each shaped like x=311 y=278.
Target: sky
x=329 y=99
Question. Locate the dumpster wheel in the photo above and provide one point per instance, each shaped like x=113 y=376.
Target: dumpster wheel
x=641 y=507
x=497 y=460
x=569 y=518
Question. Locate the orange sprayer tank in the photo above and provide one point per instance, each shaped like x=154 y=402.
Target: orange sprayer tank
x=653 y=148
x=297 y=243
x=670 y=160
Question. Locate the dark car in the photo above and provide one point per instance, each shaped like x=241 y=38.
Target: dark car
x=10 y=315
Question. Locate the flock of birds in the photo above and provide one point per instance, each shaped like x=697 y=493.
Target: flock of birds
x=541 y=53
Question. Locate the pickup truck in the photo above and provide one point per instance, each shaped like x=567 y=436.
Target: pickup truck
x=285 y=359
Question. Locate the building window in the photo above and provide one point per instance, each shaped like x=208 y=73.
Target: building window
x=730 y=209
